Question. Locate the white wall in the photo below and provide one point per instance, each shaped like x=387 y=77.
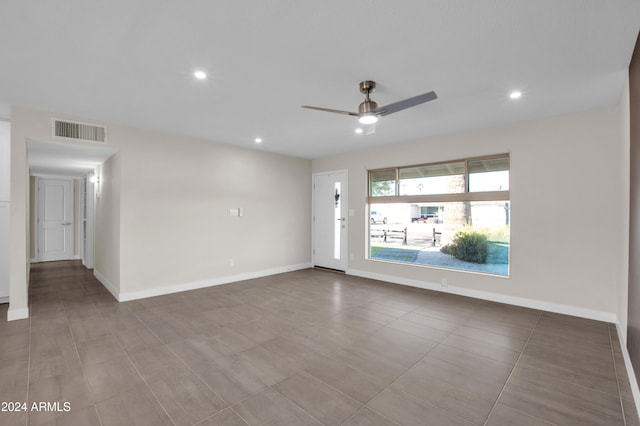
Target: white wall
x=624 y=220
x=566 y=201
x=176 y=196
x=5 y=172
x=19 y=232
x=107 y=224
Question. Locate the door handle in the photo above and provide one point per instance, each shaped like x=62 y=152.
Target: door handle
x=342 y=219
x=66 y=224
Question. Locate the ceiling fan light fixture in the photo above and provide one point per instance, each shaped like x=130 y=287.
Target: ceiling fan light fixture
x=368 y=111
x=368 y=119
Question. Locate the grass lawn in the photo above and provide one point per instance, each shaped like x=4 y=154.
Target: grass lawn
x=397 y=254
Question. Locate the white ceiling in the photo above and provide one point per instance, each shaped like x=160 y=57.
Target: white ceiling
x=132 y=62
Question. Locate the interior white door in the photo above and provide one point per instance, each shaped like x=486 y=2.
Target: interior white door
x=55 y=219
x=330 y=220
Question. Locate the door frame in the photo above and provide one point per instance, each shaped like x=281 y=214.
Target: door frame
x=313 y=214
x=85 y=221
x=37 y=207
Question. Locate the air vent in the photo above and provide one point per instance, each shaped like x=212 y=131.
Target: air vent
x=79 y=131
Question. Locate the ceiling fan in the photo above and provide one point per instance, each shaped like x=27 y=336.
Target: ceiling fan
x=369 y=111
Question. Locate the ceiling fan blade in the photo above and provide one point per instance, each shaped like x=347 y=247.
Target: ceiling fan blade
x=407 y=103
x=337 y=111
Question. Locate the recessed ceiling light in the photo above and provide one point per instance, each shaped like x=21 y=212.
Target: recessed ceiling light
x=200 y=75
x=258 y=140
x=515 y=95
x=358 y=130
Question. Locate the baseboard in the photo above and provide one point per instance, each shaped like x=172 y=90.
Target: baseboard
x=494 y=297
x=4 y=300
x=194 y=285
x=632 y=376
x=17 y=314
x=74 y=257
x=107 y=284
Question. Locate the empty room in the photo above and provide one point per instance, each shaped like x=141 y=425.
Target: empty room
x=336 y=213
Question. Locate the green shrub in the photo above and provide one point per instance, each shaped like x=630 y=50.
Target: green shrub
x=470 y=246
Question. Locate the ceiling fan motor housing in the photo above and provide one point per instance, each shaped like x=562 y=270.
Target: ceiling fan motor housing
x=368 y=105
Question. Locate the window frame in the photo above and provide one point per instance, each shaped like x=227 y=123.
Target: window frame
x=466 y=196
x=503 y=195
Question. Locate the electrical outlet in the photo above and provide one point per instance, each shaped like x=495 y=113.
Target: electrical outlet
x=444 y=282
x=232 y=263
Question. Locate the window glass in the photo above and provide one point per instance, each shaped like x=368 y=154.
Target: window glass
x=382 y=183
x=468 y=236
x=491 y=174
x=432 y=179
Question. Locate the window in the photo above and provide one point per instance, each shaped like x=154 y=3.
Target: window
x=382 y=182
x=490 y=174
x=453 y=215
x=437 y=179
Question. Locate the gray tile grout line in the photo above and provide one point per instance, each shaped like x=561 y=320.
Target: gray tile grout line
x=140 y=374
x=196 y=374
x=199 y=422
x=397 y=378
x=28 y=373
x=327 y=384
x=574 y=383
x=298 y=371
x=239 y=415
x=128 y=358
x=567 y=381
x=513 y=369
x=440 y=343
x=615 y=370
x=449 y=333
x=405 y=372
x=305 y=411
x=84 y=375
x=364 y=406
x=145 y=380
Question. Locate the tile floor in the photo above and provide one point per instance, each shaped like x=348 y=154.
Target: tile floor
x=304 y=348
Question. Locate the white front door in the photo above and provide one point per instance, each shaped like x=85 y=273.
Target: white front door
x=330 y=220
x=55 y=219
